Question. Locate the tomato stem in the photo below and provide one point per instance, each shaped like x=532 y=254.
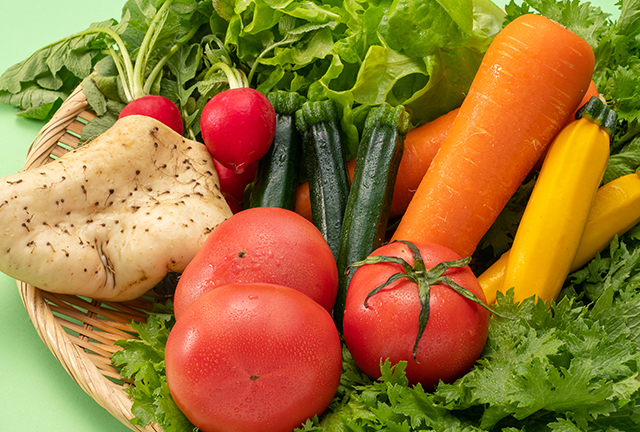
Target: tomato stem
x=424 y=278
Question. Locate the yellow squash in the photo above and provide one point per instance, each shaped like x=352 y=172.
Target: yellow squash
x=615 y=210
x=547 y=240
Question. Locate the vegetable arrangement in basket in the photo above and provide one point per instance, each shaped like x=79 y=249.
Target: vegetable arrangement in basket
x=507 y=297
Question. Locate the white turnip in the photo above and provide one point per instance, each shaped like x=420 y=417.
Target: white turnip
x=110 y=219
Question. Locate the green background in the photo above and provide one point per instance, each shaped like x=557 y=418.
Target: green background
x=36 y=393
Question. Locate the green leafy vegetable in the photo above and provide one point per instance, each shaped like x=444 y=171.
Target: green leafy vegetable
x=339 y=51
x=570 y=367
x=142 y=362
x=40 y=83
x=104 y=54
x=345 y=51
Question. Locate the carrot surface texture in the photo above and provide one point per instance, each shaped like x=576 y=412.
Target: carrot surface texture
x=532 y=77
x=420 y=147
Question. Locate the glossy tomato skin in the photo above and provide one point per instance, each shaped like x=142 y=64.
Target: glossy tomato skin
x=455 y=334
x=238 y=126
x=158 y=107
x=262 y=244
x=253 y=357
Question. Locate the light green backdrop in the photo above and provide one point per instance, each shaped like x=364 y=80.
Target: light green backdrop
x=36 y=393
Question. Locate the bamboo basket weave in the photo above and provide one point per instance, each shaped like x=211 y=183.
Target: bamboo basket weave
x=81 y=332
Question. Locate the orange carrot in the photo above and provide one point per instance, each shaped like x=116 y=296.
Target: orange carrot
x=420 y=146
x=303 y=202
x=532 y=77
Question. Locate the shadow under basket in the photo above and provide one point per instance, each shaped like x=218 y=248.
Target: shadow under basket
x=80 y=332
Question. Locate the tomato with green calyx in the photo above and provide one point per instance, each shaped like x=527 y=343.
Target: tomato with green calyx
x=253 y=357
x=418 y=303
x=262 y=244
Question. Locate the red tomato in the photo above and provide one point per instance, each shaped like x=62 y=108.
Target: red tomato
x=263 y=244
x=454 y=336
x=253 y=357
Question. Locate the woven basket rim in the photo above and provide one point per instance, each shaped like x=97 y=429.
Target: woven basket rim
x=78 y=354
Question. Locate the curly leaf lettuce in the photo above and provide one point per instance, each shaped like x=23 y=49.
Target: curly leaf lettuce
x=573 y=367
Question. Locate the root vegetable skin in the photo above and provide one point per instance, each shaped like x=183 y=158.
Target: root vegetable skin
x=158 y=107
x=110 y=219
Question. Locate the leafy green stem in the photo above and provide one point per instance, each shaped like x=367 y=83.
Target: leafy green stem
x=158 y=67
x=235 y=77
x=289 y=38
x=117 y=60
x=121 y=59
x=137 y=85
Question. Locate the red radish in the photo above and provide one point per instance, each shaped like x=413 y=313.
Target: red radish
x=157 y=107
x=232 y=183
x=238 y=126
x=234 y=204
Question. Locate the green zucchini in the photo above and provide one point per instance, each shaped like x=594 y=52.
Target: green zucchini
x=326 y=169
x=277 y=176
x=369 y=203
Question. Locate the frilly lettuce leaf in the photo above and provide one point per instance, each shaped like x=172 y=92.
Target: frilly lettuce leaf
x=422 y=54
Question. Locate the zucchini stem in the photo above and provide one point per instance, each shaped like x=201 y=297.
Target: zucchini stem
x=599 y=113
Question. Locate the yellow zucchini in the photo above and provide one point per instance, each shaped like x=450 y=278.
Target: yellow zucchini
x=547 y=240
x=615 y=210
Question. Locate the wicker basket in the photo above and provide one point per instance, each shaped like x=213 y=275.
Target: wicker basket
x=81 y=332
